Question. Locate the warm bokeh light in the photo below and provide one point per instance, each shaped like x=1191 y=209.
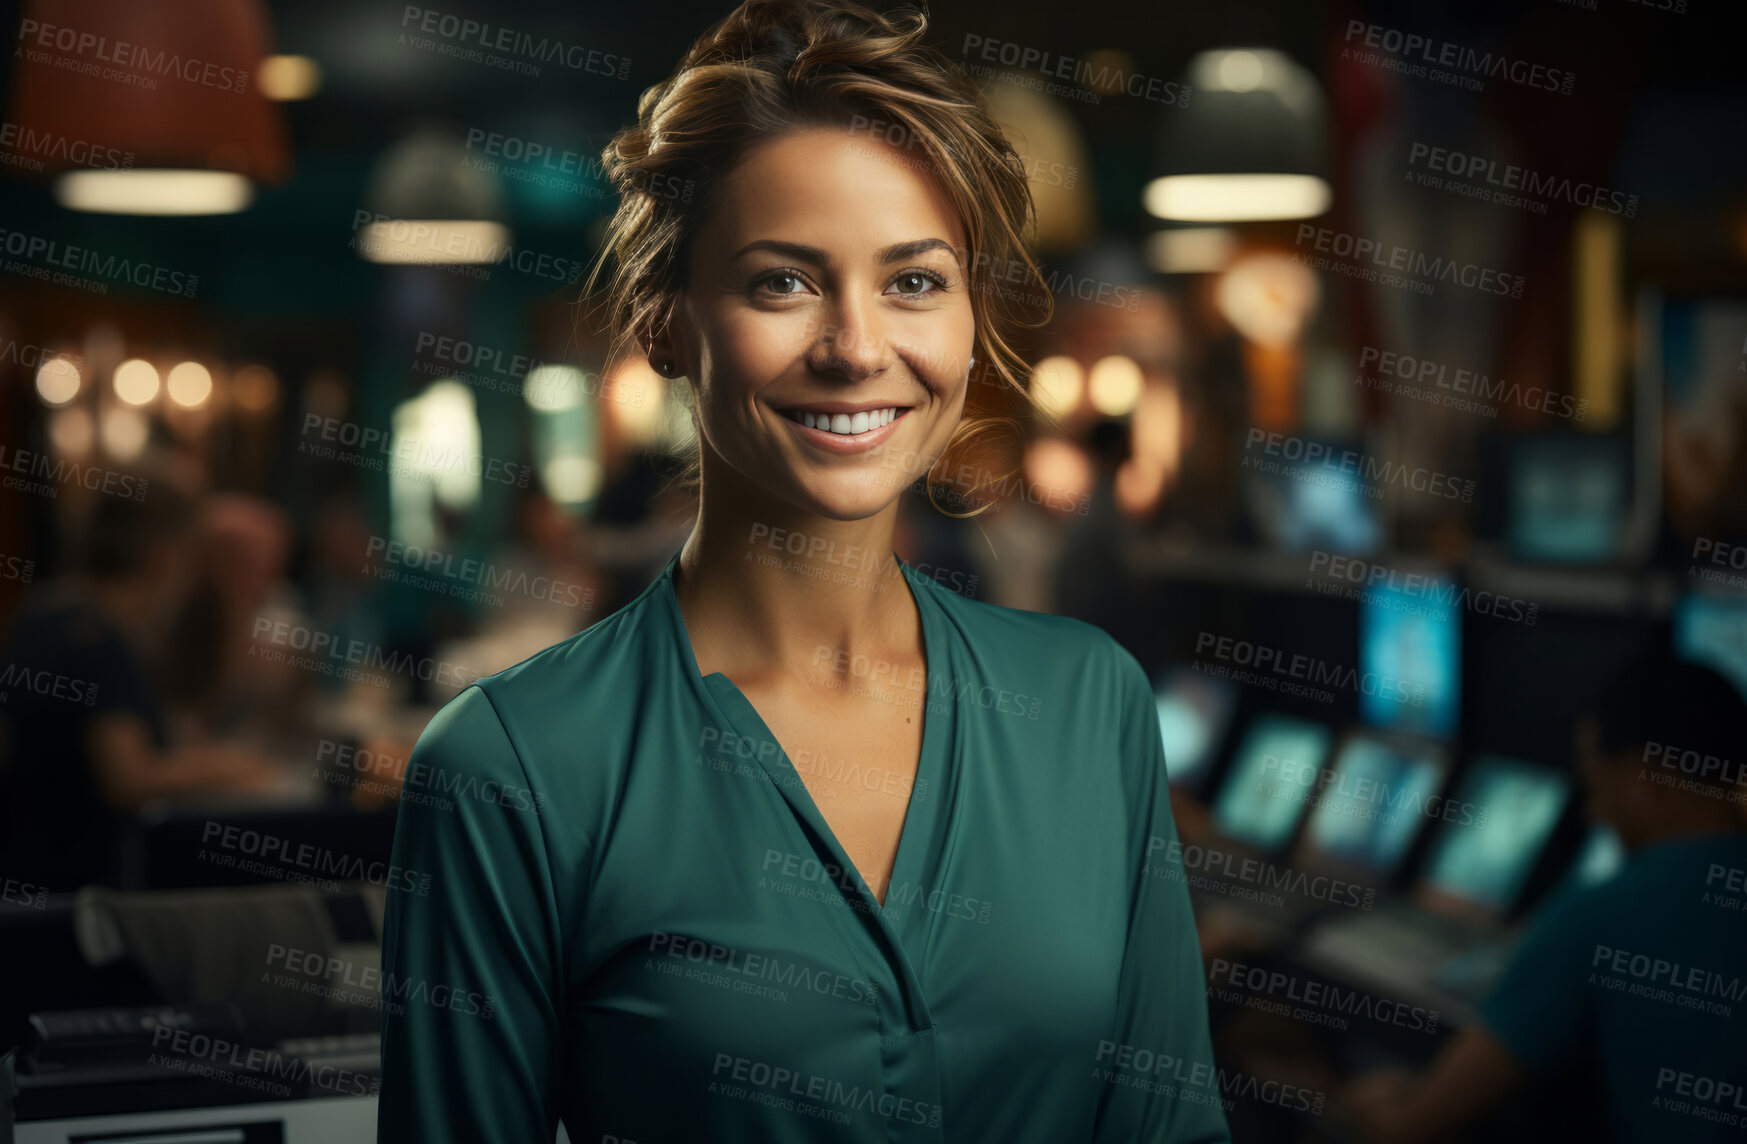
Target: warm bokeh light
x=288 y=78
x=636 y=393
x=1057 y=383
x=1268 y=297
x=254 y=388
x=440 y=433
x=1233 y=198
x=57 y=380
x=553 y=388
x=1156 y=450
x=1239 y=71
x=154 y=192
x=136 y=381
x=189 y=384
x=1060 y=473
x=1190 y=250
x=1114 y=385
x=72 y=432
x=572 y=479
x=125 y=432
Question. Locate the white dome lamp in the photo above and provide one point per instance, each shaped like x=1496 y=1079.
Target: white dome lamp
x=1251 y=145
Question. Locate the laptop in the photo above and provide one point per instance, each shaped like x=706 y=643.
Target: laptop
x=1380 y=793
x=1272 y=780
x=1195 y=711
x=1486 y=842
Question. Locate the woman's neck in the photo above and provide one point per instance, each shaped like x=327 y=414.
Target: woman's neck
x=776 y=590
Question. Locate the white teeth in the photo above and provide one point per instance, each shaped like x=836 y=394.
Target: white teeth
x=846 y=424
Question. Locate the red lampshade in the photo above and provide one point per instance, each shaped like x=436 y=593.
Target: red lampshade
x=172 y=85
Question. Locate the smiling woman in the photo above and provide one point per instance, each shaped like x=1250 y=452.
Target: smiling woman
x=817 y=849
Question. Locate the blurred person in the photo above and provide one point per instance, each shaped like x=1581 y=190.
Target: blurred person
x=1637 y=984
x=86 y=736
x=344 y=573
x=1091 y=580
x=220 y=686
x=794 y=808
x=639 y=519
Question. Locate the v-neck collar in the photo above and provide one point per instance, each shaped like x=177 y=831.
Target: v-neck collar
x=923 y=815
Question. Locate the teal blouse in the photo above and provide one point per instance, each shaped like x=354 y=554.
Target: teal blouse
x=637 y=920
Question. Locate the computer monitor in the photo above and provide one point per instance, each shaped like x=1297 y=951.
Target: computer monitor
x=1567 y=498
x=1272 y=780
x=1194 y=711
x=1304 y=506
x=1712 y=630
x=1410 y=646
x=1488 y=842
x=1375 y=798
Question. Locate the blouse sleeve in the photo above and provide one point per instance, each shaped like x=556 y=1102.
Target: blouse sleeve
x=471 y=956
x=1161 y=997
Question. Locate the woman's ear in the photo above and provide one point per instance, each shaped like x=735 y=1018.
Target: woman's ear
x=666 y=355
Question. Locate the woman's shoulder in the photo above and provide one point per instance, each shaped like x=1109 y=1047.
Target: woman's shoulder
x=1042 y=653
x=580 y=681
x=1063 y=642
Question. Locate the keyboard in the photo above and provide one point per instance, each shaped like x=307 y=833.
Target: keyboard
x=359 y=1052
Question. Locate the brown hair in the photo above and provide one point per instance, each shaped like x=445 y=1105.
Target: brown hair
x=772 y=65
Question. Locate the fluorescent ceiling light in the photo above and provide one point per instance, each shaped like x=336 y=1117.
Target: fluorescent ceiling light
x=428 y=242
x=154 y=192
x=1236 y=198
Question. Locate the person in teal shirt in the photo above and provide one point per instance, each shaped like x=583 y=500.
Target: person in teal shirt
x=1637 y=985
x=800 y=845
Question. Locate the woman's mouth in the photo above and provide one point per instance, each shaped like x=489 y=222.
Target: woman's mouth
x=845 y=430
x=846 y=424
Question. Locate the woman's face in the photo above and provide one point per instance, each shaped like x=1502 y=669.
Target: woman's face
x=826 y=285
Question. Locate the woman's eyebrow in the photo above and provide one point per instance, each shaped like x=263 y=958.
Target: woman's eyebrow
x=803 y=253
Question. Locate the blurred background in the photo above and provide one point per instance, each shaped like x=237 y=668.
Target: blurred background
x=1397 y=383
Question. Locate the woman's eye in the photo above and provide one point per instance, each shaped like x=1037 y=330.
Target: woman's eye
x=916 y=283
x=783 y=284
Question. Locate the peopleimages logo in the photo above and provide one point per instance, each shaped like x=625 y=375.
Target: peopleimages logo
x=1466 y=389
x=468 y=578
x=1500 y=181
x=776 y=1085
x=47 y=254
x=402 y=454
x=1385 y=262
x=497 y=46
x=1688 y=986
x=1270 y=664
x=267 y=848
x=440 y=242
x=1177 y=859
x=1728 y=1097
x=718 y=961
x=135 y=64
x=1411 y=593
x=27 y=147
x=1322 y=461
x=325 y=975
x=1100 y=77
x=1363 y=797
x=1312 y=1002
x=1196 y=1082
x=1446 y=62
